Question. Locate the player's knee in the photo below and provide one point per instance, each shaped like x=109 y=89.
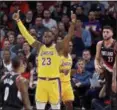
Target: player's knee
x=55 y=107
x=40 y=106
x=68 y=103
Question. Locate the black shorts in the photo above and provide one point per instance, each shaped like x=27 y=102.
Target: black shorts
x=10 y=108
x=108 y=78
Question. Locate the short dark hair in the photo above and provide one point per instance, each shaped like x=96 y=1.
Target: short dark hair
x=86 y=50
x=15 y=62
x=108 y=27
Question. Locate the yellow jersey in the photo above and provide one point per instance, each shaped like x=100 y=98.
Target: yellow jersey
x=48 y=62
x=66 y=65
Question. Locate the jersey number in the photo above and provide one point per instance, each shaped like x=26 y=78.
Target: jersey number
x=110 y=59
x=6 y=94
x=46 y=61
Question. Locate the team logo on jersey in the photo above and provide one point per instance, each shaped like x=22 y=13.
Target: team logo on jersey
x=47 y=53
x=105 y=53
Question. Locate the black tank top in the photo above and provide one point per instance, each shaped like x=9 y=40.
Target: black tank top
x=108 y=56
x=12 y=97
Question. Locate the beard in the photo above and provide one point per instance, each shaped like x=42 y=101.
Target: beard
x=49 y=44
x=108 y=38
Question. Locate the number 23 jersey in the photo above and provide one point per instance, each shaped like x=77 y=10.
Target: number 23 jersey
x=108 y=56
x=48 y=62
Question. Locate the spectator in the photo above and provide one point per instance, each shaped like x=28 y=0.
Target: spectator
x=89 y=61
x=11 y=39
x=81 y=78
x=39 y=27
x=48 y=21
x=81 y=81
x=39 y=10
x=80 y=15
x=23 y=6
x=19 y=42
x=33 y=32
x=6 y=45
x=74 y=5
x=59 y=39
x=4 y=22
x=27 y=51
x=29 y=19
x=55 y=32
x=26 y=66
x=83 y=34
x=14 y=8
x=62 y=31
x=7 y=60
x=81 y=40
x=21 y=55
x=57 y=13
x=65 y=20
x=94 y=27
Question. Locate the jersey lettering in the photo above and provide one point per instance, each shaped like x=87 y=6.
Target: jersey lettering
x=46 y=61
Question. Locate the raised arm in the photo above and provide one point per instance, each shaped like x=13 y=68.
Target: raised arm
x=25 y=33
x=65 y=43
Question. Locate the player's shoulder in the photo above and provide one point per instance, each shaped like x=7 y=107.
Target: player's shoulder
x=21 y=80
x=100 y=42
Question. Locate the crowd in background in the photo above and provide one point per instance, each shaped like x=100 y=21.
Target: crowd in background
x=41 y=16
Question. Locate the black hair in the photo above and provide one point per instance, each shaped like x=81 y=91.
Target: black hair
x=86 y=50
x=15 y=62
x=108 y=27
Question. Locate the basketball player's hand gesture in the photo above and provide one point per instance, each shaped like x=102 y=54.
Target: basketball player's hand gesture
x=73 y=17
x=16 y=16
x=98 y=69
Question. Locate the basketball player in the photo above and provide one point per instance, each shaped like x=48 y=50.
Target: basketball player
x=106 y=53
x=48 y=85
x=15 y=89
x=65 y=69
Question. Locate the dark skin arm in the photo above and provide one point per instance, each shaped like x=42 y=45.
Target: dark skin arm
x=22 y=85
x=63 y=47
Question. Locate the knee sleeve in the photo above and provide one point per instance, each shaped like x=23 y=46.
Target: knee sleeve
x=40 y=105
x=55 y=107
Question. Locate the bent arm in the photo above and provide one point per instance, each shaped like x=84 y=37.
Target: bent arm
x=64 y=45
x=27 y=36
x=98 y=57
